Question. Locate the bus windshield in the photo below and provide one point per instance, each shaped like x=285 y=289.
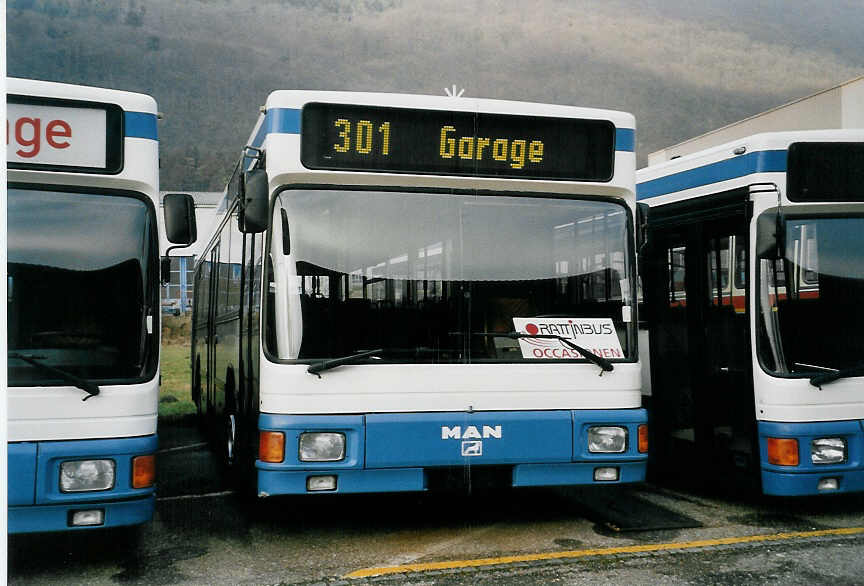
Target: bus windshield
x=433 y=277
x=811 y=315
x=81 y=266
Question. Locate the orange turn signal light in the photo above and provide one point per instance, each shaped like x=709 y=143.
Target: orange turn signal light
x=782 y=451
x=271 y=446
x=143 y=471
x=643 y=439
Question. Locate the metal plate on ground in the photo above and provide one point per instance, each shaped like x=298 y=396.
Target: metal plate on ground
x=621 y=511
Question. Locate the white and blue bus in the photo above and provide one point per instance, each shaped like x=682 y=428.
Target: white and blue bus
x=82 y=306
x=753 y=285
x=407 y=292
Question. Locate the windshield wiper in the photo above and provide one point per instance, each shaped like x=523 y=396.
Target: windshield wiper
x=91 y=388
x=605 y=365
x=830 y=377
x=318 y=367
x=323 y=365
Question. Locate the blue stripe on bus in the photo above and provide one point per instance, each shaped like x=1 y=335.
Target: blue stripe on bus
x=287 y=121
x=141 y=125
x=625 y=139
x=755 y=162
x=277 y=121
x=283 y=120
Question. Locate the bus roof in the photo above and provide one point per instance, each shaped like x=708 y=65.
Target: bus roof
x=297 y=98
x=759 y=153
x=129 y=101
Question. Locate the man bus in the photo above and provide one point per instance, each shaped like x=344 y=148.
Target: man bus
x=82 y=306
x=407 y=292
x=754 y=280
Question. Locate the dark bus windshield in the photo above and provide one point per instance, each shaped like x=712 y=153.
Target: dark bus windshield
x=81 y=286
x=811 y=311
x=431 y=277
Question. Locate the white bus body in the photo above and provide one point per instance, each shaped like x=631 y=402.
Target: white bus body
x=414 y=270
x=83 y=305
x=741 y=388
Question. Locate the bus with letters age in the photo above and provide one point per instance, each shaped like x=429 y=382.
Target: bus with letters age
x=753 y=282
x=82 y=306
x=409 y=293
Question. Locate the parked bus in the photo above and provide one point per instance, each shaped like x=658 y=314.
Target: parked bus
x=765 y=377
x=408 y=292
x=82 y=306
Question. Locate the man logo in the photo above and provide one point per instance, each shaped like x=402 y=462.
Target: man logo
x=472 y=448
x=471 y=432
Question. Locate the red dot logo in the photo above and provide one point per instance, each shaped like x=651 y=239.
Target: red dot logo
x=532 y=329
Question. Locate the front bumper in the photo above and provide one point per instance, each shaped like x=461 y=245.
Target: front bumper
x=398 y=452
x=805 y=478
x=37 y=504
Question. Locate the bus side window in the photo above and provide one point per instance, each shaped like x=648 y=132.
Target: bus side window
x=235 y=266
x=810 y=260
x=676 y=271
x=202 y=291
x=221 y=269
x=740 y=264
x=719 y=292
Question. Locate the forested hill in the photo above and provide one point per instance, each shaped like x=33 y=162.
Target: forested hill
x=683 y=67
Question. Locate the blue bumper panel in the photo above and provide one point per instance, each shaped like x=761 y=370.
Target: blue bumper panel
x=630 y=419
x=804 y=479
x=34 y=483
x=779 y=484
x=122 y=450
x=574 y=474
x=56 y=517
x=347 y=481
x=22 y=473
x=293 y=425
x=392 y=452
x=456 y=439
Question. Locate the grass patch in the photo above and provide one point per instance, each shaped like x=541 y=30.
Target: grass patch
x=175 y=398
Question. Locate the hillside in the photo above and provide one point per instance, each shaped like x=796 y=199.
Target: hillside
x=681 y=67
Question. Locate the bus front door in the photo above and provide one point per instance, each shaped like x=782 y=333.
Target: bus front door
x=702 y=390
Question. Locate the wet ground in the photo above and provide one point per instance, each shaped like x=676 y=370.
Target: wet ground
x=203 y=533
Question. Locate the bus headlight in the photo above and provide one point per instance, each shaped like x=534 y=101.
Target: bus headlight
x=828 y=450
x=322 y=446
x=607 y=440
x=85 y=475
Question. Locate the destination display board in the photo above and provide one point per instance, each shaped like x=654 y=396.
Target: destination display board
x=825 y=171
x=52 y=134
x=406 y=140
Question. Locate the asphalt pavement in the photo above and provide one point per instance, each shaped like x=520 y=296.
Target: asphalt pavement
x=203 y=533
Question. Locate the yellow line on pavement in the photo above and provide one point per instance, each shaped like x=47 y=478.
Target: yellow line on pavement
x=557 y=555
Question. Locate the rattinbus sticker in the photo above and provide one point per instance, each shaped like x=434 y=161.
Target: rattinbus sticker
x=596 y=334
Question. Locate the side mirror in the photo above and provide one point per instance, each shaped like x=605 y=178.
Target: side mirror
x=256 y=201
x=180 y=225
x=771 y=235
x=165 y=270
